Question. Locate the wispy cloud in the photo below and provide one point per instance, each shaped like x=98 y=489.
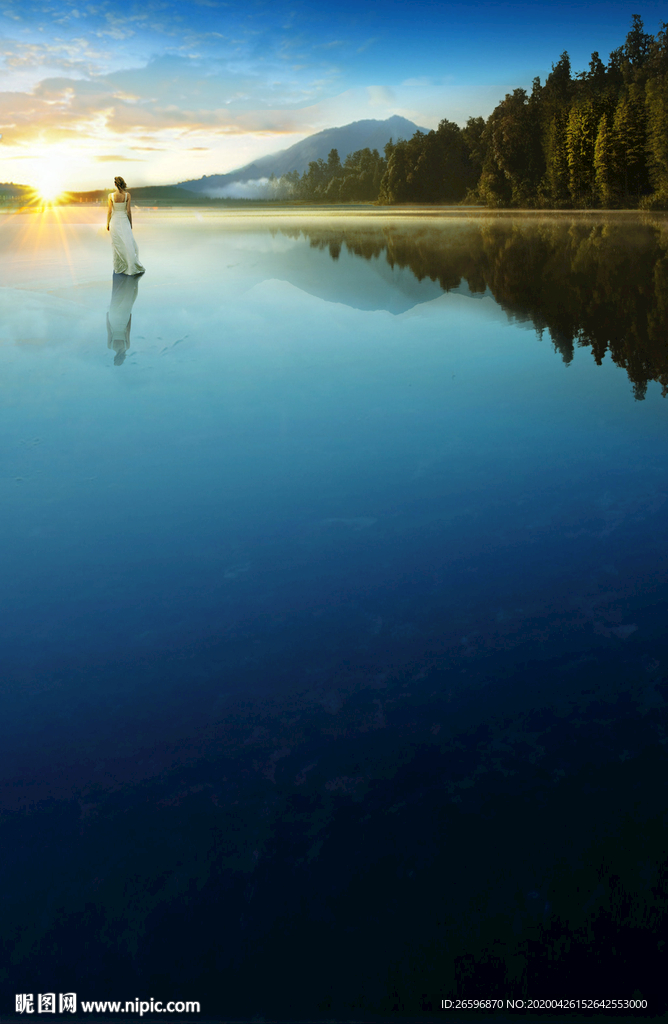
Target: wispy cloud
x=380 y=95
x=116 y=27
x=367 y=44
x=73 y=55
x=118 y=158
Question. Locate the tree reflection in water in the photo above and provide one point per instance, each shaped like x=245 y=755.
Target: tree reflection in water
x=591 y=281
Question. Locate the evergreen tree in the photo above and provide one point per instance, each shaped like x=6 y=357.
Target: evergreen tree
x=555 y=100
x=656 y=109
x=555 y=187
x=472 y=134
x=614 y=72
x=657 y=135
x=603 y=170
x=394 y=187
x=559 y=84
x=333 y=190
x=581 y=133
x=362 y=172
x=334 y=168
x=638 y=43
x=628 y=146
x=429 y=168
x=596 y=78
x=514 y=147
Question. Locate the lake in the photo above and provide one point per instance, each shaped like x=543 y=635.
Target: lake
x=334 y=606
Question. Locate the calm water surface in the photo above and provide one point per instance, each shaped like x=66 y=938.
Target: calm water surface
x=334 y=610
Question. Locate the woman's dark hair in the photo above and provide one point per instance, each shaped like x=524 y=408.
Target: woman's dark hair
x=120 y=183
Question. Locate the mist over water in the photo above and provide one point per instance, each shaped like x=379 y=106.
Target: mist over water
x=334 y=603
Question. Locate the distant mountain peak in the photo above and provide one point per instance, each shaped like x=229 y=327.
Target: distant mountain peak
x=367 y=133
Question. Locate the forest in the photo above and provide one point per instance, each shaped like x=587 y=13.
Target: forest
x=595 y=139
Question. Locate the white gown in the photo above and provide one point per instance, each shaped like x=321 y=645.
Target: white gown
x=124 y=247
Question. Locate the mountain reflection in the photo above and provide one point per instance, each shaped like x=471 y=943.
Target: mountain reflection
x=592 y=281
x=119 y=317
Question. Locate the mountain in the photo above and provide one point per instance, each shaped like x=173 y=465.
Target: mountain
x=346 y=139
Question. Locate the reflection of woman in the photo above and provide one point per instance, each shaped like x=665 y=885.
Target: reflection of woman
x=119 y=216
x=119 y=318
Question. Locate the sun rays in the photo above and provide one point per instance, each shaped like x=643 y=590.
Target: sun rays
x=47 y=216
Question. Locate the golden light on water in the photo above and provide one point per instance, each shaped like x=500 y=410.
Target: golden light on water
x=45 y=199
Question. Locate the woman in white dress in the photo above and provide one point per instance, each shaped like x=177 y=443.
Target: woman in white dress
x=119 y=222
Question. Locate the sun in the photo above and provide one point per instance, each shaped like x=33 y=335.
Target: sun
x=49 y=193
x=50 y=187
x=51 y=182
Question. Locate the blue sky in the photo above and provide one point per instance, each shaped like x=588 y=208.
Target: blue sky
x=163 y=91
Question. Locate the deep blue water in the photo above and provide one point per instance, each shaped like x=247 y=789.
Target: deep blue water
x=333 y=612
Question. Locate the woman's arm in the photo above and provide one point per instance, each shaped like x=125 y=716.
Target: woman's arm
x=109 y=212
x=127 y=207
